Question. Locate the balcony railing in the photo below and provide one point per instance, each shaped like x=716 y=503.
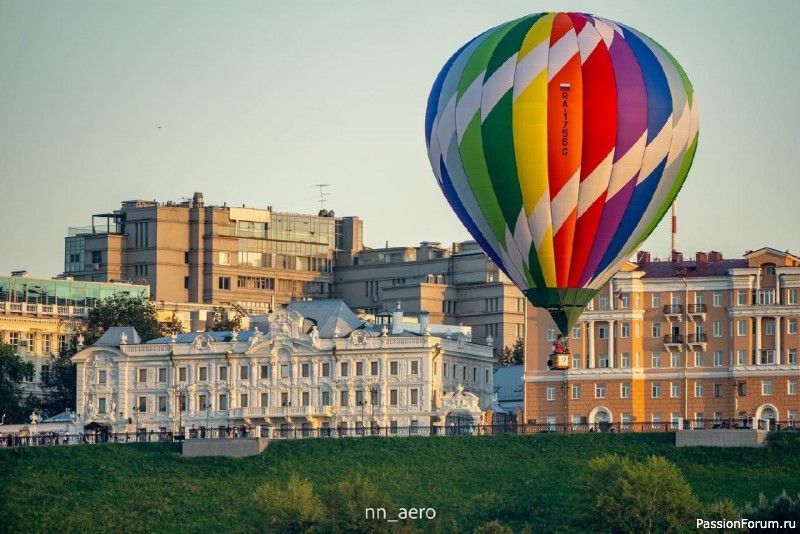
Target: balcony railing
x=697 y=338
x=673 y=309
x=673 y=339
x=696 y=309
x=40 y=310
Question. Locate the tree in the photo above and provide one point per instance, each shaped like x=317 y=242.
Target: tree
x=58 y=383
x=223 y=323
x=516 y=355
x=122 y=310
x=173 y=325
x=14 y=370
x=621 y=495
x=348 y=502
x=293 y=509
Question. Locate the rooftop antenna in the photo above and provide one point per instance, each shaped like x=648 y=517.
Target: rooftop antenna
x=322 y=195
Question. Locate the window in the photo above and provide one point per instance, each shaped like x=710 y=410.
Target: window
x=741 y=297
x=656 y=359
x=576 y=332
x=769 y=328
x=576 y=391
x=551 y=393
x=656 y=300
x=765 y=297
x=741 y=357
x=101 y=377
x=741 y=326
x=656 y=390
x=415 y=367
x=603 y=303
x=360 y=397
x=393 y=369
x=373 y=368
x=741 y=388
x=602 y=332
x=717 y=358
x=202 y=402
x=265 y=398
x=675 y=359
x=162 y=374
x=551 y=334
x=576 y=361
x=599 y=391
x=305 y=398
x=656 y=330
x=181 y=374
x=344 y=398
x=284 y=370
x=791 y=328
x=344 y=369
x=224 y=258
x=202 y=374
x=625 y=330
x=285 y=399
x=675 y=390
x=162 y=404
x=717 y=299
x=768 y=356
x=791 y=296
x=626 y=360
x=305 y=370
x=656 y=418
x=792 y=356
x=625 y=300
x=265 y=370
x=359 y=368
x=142 y=404
x=392 y=397
x=625 y=390
x=474 y=374
x=326 y=370
x=698 y=359
x=101 y=405
x=185 y=282
x=224 y=282
x=47 y=341
x=766 y=387
x=717 y=389
x=326 y=398
x=243 y=401
x=414 y=396
x=792 y=414
x=698 y=389
x=675 y=298
x=142 y=376
x=716 y=328
x=603 y=362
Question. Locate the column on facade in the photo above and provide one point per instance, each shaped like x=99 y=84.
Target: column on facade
x=592 y=364
x=778 y=358
x=758 y=339
x=611 y=358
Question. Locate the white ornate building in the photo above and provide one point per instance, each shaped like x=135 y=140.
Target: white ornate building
x=312 y=365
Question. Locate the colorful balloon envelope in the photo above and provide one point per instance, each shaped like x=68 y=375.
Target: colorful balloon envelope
x=560 y=140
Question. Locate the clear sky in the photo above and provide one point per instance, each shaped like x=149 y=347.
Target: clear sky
x=255 y=102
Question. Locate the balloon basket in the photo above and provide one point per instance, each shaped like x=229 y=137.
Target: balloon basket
x=560 y=361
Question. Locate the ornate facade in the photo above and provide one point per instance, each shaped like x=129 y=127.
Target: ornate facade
x=312 y=365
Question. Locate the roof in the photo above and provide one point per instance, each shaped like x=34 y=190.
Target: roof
x=508 y=383
x=63 y=417
x=689 y=269
x=329 y=315
x=189 y=337
x=113 y=336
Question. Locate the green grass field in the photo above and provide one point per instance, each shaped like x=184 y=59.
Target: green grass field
x=470 y=479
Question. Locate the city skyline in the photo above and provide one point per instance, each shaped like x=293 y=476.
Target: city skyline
x=101 y=104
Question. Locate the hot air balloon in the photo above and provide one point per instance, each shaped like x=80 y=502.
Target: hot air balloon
x=560 y=141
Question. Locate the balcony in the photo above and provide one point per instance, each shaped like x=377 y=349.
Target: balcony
x=697 y=341
x=673 y=311
x=673 y=342
x=696 y=312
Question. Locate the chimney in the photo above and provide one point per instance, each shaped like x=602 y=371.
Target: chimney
x=397 y=320
x=677 y=257
x=424 y=322
x=701 y=259
x=642 y=257
x=197 y=200
x=714 y=256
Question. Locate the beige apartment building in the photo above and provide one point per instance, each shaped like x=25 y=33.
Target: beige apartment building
x=458 y=285
x=39 y=316
x=188 y=251
x=711 y=339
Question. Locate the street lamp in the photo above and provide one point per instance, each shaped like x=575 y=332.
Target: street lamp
x=180 y=396
x=207 y=408
x=373 y=397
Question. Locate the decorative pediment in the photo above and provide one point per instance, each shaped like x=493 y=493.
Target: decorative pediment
x=203 y=342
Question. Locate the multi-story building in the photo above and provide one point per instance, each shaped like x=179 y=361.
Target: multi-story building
x=189 y=252
x=38 y=316
x=312 y=365
x=709 y=339
x=457 y=285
